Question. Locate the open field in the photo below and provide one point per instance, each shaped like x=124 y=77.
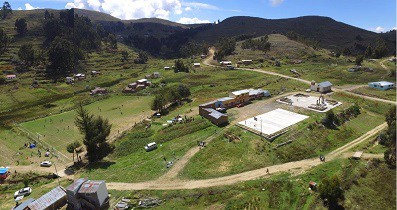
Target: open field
x=385 y=94
x=58 y=130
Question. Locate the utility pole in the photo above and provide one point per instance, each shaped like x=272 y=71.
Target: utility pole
x=56 y=171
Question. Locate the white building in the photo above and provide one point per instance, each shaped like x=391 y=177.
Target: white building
x=323 y=87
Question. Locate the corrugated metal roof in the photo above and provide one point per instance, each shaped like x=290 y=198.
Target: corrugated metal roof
x=208 y=103
x=23 y=205
x=239 y=92
x=90 y=186
x=382 y=83
x=215 y=114
x=48 y=199
x=325 y=84
x=225 y=99
x=257 y=91
x=76 y=185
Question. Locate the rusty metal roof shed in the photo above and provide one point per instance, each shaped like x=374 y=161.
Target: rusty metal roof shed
x=48 y=199
x=90 y=186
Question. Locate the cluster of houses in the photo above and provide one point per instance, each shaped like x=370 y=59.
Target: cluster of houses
x=80 y=195
x=213 y=110
x=137 y=86
x=155 y=75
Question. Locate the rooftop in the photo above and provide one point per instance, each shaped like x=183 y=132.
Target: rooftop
x=48 y=199
x=76 y=184
x=325 y=84
x=90 y=186
x=382 y=83
x=239 y=92
x=142 y=80
x=225 y=99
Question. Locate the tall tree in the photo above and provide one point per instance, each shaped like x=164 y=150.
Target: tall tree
x=359 y=60
x=4 y=41
x=62 y=58
x=95 y=130
x=381 y=49
x=390 y=138
x=74 y=148
x=5 y=10
x=368 y=52
x=330 y=189
x=21 y=26
x=159 y=103
x=26 y=54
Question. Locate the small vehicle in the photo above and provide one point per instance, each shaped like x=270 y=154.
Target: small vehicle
x=23 y=192
x=46 y=164
x=151 y=146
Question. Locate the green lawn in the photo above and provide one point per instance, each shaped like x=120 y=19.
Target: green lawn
x=58 y=130
x=384 y=94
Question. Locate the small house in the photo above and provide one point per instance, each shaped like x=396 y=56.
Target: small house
x=167 y=68
x=95 y=73
x=246 y=62
x=196 y=65
x=79 y=76
x=54 y=199
x=98 y=91
x=93 y=194
x=382 y=85
x=11 y=77
x=323 y=87
x=214 y=116
x=240 y=96
x=225 y=63
x=225 y=102
x=72 y=193
x=69 y=80
x=258 y=94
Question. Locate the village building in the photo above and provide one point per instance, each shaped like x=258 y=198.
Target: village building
x=382 y=85
x=246 y=62
x=323 y=87
x=11 y=77
x=137 y=86
x=98 y=91
x=258 y=94
x=69 y=80
x=214 y=116
x=167 y=68
x=24 y=205
x=95 y=73
x=225 y=63
x=54 y=199
x=196 y=65
x=203 y=56
x=4 y=173
x=240 y=96
x=87 y=194
x=79 y=76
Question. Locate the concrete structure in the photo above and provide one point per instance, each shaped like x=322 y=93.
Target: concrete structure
x=382 y=85
x=54 y=199
x=357 y=155
x=323 y=87
x=11 y=77
x=272 y=123
x=318 y=104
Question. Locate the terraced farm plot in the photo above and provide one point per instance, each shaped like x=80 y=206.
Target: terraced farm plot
x=58 y=130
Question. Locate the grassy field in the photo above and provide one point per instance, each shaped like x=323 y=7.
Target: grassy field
x=385 y=94
x=58 y=130
x=285 y=192
x=131 y=163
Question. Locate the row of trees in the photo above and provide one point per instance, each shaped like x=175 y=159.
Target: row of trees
x=224 y=47
x=169 y=95
x=179 y=66
x=388 y=138
x=331 y=120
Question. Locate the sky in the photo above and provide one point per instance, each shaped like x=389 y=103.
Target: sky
x=373 y=15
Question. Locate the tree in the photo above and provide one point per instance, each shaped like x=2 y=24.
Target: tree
x=381 y=49
x=95 y=130
x=331 y=190
x=47 y=15
x=159 y=103
x=111 y=39
x=389 y=138
x=330 y=120
x=359 y=60
x=62 y=58
x=180 y=66
x=74 y=148
x=5 y=10
x=4 y=41
x=124 y=56
x=21 y=26
x=368 y=52
x=26 y=54
x=142 y=58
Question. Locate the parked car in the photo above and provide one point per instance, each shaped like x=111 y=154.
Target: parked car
x=46 y=164
x=151 y=146
x=23 y=192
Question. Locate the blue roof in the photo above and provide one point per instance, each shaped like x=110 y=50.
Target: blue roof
x=325 y=84
x=3 y=170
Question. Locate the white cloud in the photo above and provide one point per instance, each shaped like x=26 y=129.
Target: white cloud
x=29 y=7
x=379 y=29
x=187 y=9
x=198 y=5
x=131 y=9
x=19 y=8
x=186 y=20
x=276 y=2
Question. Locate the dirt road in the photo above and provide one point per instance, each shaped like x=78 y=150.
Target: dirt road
x=302 y=165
